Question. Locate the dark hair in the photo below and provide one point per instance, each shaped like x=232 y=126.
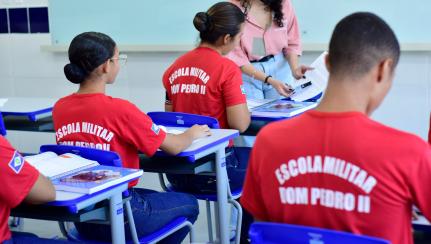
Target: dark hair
x=221 y=19
x=275 y=6
x=86 y=52
x=359 y=42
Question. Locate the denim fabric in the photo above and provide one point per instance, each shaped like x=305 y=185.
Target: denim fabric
x=24 y=238
x=278 y=68
x=151 y=211
x=236 y=166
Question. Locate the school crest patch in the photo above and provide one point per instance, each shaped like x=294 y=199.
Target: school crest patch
x=17 y=162
x=155 y=129
x=242 y=89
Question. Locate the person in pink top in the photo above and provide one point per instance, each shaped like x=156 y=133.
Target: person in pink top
x=269 y=48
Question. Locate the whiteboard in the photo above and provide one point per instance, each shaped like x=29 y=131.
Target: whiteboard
x=170 y=22
x=410 y=19
x=129 y=22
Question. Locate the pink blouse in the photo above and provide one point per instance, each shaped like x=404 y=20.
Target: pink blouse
x=257 y=42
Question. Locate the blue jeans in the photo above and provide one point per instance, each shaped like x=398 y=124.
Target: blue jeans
x=24 y=238
x=236 y=166
x=151 y=211
x=278 y=68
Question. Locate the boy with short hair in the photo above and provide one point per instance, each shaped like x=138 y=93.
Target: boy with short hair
x=339 y=169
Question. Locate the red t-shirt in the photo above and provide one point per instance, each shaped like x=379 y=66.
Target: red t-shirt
x=340 y=171
x=16 y=180
x=204 y=82
x=111 y=124
x=429 y=132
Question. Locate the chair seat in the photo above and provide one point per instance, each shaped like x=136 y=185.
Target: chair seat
x=73 y=233
x=265 y=232
x=208 y=197
x=156 y=235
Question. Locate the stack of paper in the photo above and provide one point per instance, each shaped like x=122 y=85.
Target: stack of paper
x=318 y=77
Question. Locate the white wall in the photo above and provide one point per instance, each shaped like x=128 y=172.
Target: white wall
x=27 y=71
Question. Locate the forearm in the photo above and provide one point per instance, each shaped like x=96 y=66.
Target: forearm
x=175 y=144
x=293 y=60
x=250 y=70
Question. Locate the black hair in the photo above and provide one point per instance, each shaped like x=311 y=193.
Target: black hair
x=221 y=19
x=275 y=6
x=359 y=42
x=86 y=52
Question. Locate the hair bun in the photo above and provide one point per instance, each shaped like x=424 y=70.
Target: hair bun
x=202 y=22
x=74 y=73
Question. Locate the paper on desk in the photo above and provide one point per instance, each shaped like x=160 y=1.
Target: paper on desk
x=175 y=132
x=318 y=77
x=3 y=101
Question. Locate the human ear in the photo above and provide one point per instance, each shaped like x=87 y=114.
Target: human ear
x=385 y=70
x=328 y=66
x=106 y=66
x=227 y=39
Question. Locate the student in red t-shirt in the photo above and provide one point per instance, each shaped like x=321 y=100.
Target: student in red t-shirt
x=89 y=118
x=204 y=82
x=339 y=169
x=20 y=182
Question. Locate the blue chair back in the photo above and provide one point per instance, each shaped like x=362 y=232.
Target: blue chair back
x=177 y=119
x=103 y=157
x=261 y=232
x=2 y=126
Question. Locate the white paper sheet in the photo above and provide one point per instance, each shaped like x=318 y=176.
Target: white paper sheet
x=318 y=77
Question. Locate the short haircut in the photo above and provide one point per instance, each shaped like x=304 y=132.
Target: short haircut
x=359 y=42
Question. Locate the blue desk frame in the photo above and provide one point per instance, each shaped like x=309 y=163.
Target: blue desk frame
x=32 y=116
x=216 y=143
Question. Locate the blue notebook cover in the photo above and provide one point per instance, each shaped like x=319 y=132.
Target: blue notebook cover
x=95 y=179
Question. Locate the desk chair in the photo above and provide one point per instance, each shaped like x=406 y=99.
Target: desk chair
x=176 y=119
x=263 y=232
x=113 y=159
x=2 y=126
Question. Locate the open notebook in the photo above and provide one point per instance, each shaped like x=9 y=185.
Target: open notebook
x=282 y=108
x=70 y=172
x=253 y=103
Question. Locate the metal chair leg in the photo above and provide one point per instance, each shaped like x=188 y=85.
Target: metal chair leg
x=209 y=219
x=239 y=220
x=192 y=233
x=132 y=225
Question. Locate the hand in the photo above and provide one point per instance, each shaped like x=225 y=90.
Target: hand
x=282 y=88
x=299 y=72
x=198 y=131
